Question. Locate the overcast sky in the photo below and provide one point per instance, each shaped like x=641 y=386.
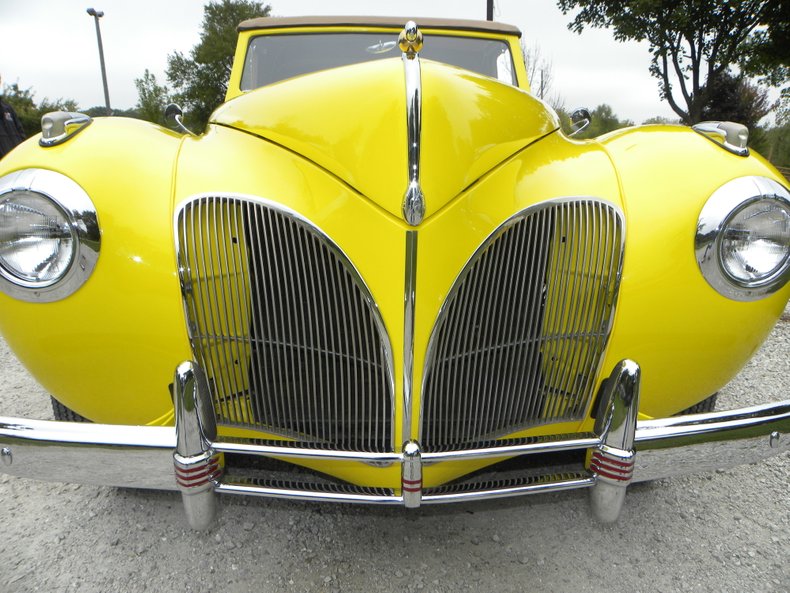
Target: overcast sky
x=51 y=46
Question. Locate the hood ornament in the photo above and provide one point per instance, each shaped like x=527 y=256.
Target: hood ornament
x=410 y=43
x=410 y=40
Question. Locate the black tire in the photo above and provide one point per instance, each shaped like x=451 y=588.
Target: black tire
x=706 y=405
x=65 y=414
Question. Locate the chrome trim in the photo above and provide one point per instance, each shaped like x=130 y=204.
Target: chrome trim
x=683 y=445
x=235 y=261
x=580 y=121
x=409 y=299
x=602 y=222
x=88 y=453
x=729 y=135
x=297 y=450
x=142 y=456
x=151 y=457
x=719 y=209
x=308 y=495
x=196 y=465
x=613 y=460
x=174 y=113
x=540 y=485
x=411 y=475
x=83 y=221
x=537 y=485
x=410 y=42
x=196 y=427
x=516 y=447
x=59 y=126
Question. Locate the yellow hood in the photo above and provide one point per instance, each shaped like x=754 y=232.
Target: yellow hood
x=352 y=122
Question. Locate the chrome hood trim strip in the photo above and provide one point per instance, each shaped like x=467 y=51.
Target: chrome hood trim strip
x=410 y=42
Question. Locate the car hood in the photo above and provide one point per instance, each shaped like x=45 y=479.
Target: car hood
x=351 y=121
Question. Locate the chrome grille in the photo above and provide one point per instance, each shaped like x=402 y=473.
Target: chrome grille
x=520 y=337
x=286 y=330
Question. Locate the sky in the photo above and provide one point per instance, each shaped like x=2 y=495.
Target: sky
x=50 y=45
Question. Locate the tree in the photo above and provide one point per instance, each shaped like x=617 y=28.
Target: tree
x=603 y=120
x=768 y=52
x=733 y=98
x=29 y=114
x=151 y=98
x=659 y=119
x=540 y=72
x=775 y=145
x=693 y=43
x=200 y=81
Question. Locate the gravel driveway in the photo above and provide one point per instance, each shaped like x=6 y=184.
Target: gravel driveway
x=726 y=531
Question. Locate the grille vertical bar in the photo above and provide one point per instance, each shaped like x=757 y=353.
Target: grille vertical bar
x=521 y=335
x=285 y=328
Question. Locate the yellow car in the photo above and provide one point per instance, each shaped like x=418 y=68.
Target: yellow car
x=384 y=274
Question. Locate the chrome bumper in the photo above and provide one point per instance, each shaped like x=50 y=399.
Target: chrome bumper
x=620 y=450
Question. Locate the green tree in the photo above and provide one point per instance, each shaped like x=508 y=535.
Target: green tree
x=693 y=43
x=776 y=146
x=659 y=119
x=101 y=111
x=152 y=98
x=28 y=112
x=733 y=98
x=200 y=80
x=603 y=121
x=768 y=52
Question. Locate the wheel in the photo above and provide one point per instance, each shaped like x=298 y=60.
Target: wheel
x=64 y=413
x=706 y=405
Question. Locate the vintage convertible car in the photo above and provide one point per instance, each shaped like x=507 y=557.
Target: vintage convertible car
x=384 y=274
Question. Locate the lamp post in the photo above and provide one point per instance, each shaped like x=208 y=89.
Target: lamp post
x=97 y=14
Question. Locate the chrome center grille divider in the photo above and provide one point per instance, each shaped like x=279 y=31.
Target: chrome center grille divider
x=409 y=297
x=410 y=42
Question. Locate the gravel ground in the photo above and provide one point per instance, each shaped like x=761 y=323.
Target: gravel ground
x=726 y=531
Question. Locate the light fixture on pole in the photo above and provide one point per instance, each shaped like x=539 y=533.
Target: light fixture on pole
x=97 y=14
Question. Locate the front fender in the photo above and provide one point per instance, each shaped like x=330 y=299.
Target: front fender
x=689 y=340
x=107 y=350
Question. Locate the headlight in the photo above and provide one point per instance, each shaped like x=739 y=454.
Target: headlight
x=743 y=238
x=49 y=235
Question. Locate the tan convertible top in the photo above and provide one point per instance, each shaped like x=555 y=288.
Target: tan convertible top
x=376 y=21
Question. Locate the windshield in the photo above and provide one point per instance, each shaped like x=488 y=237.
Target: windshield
x=272 y=58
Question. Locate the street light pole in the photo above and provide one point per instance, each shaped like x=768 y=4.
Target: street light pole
x=489 y=10
x=97 y=14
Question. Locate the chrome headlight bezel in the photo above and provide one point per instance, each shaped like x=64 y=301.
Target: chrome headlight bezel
x=718 y=213
x=83 y=225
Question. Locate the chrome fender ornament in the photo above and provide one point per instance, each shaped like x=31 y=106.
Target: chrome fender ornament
x=410 y=43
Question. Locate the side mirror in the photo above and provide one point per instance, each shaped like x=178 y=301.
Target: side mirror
x=173 y=113
x=580 y=119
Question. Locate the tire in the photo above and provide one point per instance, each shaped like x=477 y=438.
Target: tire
x=706 y=405
x=65 y=414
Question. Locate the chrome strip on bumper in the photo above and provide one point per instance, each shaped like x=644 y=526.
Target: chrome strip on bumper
x=99 y=454
x=705 y=442
x=623 y=450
